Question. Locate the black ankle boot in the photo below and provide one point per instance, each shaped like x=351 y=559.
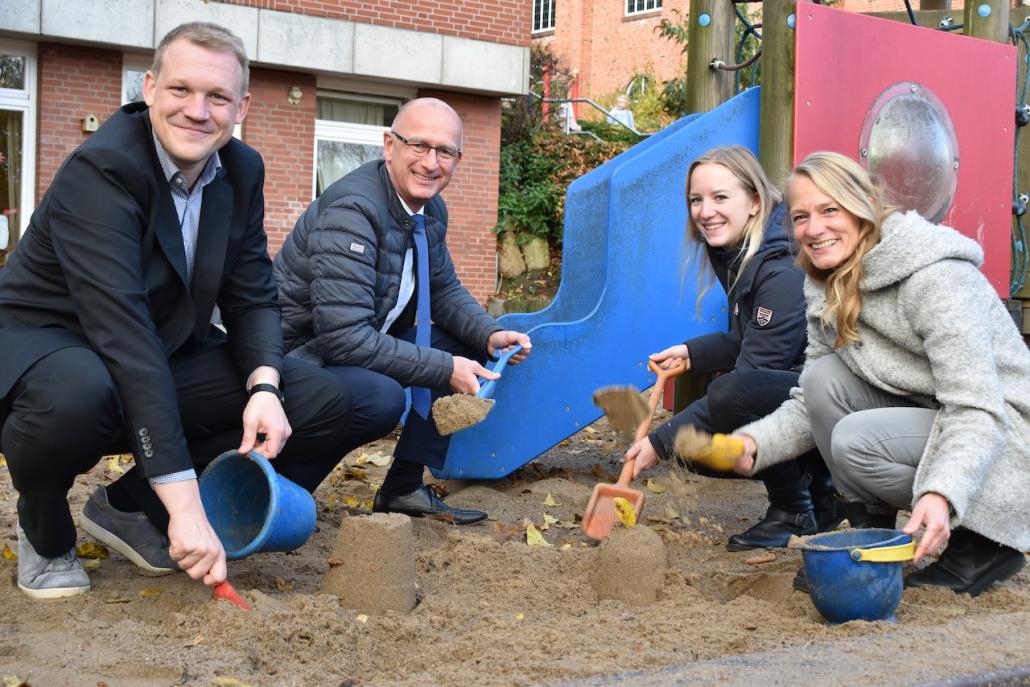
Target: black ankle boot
x=790 y=511
x=829 y=511
x=969 y=565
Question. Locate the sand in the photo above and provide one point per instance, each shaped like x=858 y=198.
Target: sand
x=493 y=610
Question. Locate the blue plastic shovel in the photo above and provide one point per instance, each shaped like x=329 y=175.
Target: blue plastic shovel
x=460 y=411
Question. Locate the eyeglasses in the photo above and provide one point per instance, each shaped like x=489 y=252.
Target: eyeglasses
x=421 y=149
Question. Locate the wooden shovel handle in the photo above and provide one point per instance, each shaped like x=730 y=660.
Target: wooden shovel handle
x=656 y=393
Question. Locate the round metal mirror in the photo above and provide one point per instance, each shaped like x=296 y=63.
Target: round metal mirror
x=909 y=143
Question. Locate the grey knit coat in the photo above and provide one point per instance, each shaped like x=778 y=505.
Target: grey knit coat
x=933 y=329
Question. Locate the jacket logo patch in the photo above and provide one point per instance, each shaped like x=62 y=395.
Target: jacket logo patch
x=763 y=316
x=357 y=248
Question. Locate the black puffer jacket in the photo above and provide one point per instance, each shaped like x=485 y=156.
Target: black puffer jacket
x=339 y=275
x=767 y=308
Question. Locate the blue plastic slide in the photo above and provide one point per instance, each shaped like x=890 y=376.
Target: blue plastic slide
x=623 y=294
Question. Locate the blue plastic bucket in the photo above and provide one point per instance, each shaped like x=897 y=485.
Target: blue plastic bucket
x=252 y=508
x=856 y=574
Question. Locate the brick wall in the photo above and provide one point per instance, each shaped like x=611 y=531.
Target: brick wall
x=74 y=81
x=472 y=194
x=498 y=21
x=866 y=6
x=284 y=134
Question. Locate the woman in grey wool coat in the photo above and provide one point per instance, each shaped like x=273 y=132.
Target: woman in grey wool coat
x=915 y=387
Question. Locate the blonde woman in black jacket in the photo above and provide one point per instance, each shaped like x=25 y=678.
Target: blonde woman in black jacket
x=736 y=234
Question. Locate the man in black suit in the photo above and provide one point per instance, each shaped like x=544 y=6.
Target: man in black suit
x=105 y=324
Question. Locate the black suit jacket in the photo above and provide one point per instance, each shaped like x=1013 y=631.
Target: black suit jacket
x=103 y=265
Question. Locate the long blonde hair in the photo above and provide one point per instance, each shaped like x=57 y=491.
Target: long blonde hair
x=844 y=180
x=746 y=168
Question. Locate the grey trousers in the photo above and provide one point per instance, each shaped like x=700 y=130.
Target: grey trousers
x=871 y=440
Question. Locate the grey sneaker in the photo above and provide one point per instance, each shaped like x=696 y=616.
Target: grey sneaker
x=49 y=578
x=130 y=534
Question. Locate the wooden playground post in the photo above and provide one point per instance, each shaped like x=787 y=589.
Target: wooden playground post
x=710 y=36
x=993 y=27
x=776 y=124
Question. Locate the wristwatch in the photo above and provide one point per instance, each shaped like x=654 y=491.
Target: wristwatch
x=271 y=388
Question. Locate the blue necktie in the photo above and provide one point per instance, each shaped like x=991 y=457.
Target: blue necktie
x=420 y=395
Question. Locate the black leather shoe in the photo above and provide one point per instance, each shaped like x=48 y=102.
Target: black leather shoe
x=829 y=512
x=969 y=565
x=800 y=581
x=773 y=531
x=861 y=519
x=424 y=502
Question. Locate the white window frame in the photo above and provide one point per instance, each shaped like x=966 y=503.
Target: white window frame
x=346 y=132
x=655 y=6
x=25 y=101
x=547 y=13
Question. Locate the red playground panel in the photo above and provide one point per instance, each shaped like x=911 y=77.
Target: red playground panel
x=931 y=112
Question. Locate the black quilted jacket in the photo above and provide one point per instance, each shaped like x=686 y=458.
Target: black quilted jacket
x=339 y=274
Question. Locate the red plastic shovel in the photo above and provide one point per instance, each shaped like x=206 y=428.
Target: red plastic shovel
x=224 y=590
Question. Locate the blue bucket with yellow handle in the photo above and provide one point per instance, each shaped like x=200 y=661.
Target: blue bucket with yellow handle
x=856 y=574
x=252 y=508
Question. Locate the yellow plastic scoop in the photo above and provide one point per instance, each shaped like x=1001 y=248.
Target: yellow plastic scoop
x=714 y=451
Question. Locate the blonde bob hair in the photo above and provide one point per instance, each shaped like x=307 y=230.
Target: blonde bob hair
x=846 y=182
x=748 y=171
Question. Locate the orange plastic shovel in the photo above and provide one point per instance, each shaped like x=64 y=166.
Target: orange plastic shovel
x=600 y=516
x=224 y=590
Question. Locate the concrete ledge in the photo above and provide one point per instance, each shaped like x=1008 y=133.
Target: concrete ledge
x=331 y=47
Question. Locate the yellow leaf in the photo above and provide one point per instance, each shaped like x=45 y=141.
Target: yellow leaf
x=195 y=641
x=366 y=504
x=114 y=465
x=8 y=554
x=361 y=618
x=656 y=488
x=361 y=460
x=149 y=592
x=14 y=681
x=377 y=459
x=229 y=682
x=351 y=501
x=627 y=516
x=534 y=537
x=281 y=584
x=520 y=616
x=591 y=430
x=3 y=461
x=91 y=563
x=550 y=502
x=566 y=547
x=91 y=549
x=548 y=521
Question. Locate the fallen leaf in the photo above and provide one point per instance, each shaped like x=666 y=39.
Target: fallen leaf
x=520 y=616
x=624 y=509
x=548 y=521
x=362 y=618
x=670 y=512
x=359 y=474
x=229 y=682
x=768 y=557
x=8 y=554
x=3 y=461
x=351 y=501
x=361 y=460
x=377 y=459
x=507 y=532
x=91 y=549
x=91 y=563
x=366 y=504
x=534 y=537
x=114 y=465
x=566 y=547
x=591 y=430
x=281 y=584
x=655 y=488
x=444 y=517
x=335 y=562
x=550 y=502
x=195 y=641
x=15 y=681
x=146 y=593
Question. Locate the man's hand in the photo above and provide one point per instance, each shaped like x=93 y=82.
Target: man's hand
x=264 y=415
x=193 y=543
x=932 y=512
x=502 y=341
x=671 y=357
x=643 y=455
x=746 y=462
x=464 y=376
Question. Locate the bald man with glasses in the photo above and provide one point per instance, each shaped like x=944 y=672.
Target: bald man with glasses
x=368 y=290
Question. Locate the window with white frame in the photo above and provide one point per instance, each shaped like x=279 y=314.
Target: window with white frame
x=348 y=133
x=17 y=141
x=638 y=6
x=543 y=15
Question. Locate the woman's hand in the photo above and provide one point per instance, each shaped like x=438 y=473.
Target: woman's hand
x=934 y=514
x=672 y=356
x=746 y=462
x=643 y=455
